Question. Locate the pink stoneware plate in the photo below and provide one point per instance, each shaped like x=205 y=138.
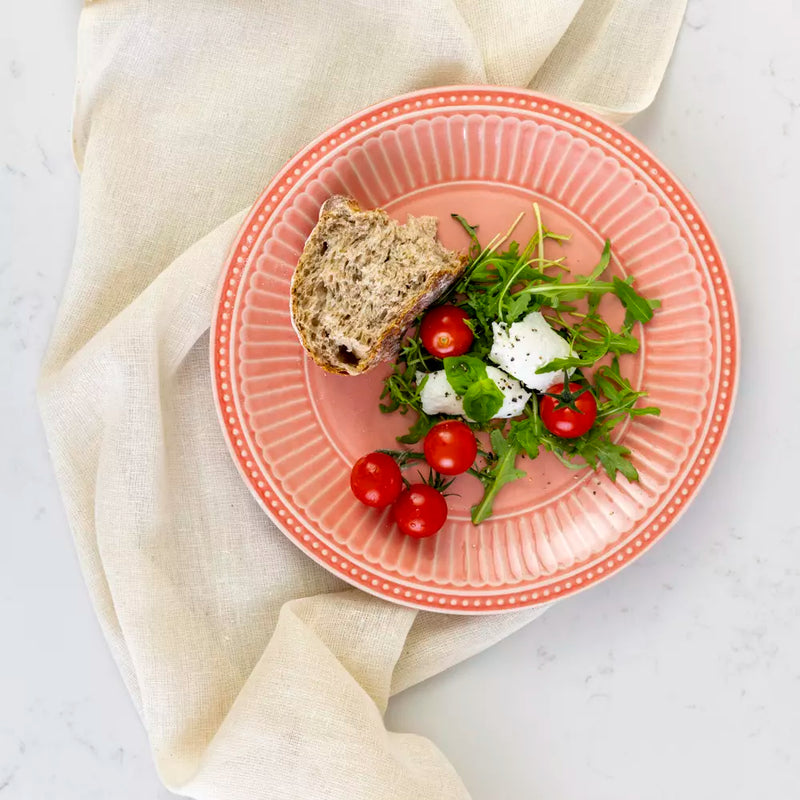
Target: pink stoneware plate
x=486 y=153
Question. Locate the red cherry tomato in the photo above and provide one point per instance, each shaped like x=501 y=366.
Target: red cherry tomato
x=565 y=421
x=444 y=333
x=450 y=447
x=376 y=480
x=420 y=510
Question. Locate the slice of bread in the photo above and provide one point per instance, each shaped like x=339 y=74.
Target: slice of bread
x=361 y=281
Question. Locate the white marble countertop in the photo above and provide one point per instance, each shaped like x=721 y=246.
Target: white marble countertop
x=678 y=678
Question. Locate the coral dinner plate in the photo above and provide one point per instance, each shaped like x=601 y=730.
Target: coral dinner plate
x=487 y=153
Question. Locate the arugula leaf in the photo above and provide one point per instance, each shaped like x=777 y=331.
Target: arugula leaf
x=472 y=232
x=476 y=304
x=621 y=397
x=527 y=433
x=621 y=343
x=614 y=458
x=602 y=264
x=556 y=293
x=570 y=362
x=490 y=280
x=637 y=308
x=400 y=389
x=593 y=326
x=463 y=371
x=418 y=430
x=482 y=400
x=516 y=308
x=501 y=471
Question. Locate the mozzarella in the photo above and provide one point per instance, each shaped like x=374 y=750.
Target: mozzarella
x=438 y=397
x=522 y=347
x=514 y=395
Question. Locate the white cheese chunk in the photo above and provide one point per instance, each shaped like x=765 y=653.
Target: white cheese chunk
x=438 y=396
x=524 y=346
x=514 y=395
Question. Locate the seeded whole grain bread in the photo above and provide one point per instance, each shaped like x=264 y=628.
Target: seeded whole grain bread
x=361 y=281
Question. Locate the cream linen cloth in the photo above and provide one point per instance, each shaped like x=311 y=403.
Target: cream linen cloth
x=255 y=672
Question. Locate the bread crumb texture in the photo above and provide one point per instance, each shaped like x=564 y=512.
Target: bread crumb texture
x=362 y=279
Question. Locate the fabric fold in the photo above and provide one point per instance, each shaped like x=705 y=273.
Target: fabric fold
x=318 y=643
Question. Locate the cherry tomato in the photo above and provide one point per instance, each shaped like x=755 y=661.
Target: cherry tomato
x=376 y=480
x=566 y=422
x=450 y=447
x=420 y=510
x=444 y=333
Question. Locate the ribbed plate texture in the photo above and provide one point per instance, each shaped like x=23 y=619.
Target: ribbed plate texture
x=295 y=431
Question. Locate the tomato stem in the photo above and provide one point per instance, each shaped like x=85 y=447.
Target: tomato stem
x=403 y=457
x=567 y=396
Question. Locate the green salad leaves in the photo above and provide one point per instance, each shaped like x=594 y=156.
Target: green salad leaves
x=503 y=283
